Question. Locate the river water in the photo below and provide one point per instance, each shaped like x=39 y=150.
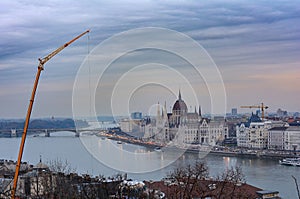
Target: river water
x=94 y=155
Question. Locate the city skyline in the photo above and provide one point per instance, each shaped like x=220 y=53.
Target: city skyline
x=255 y=46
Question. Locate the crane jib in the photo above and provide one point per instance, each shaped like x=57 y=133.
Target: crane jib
x=29 y=110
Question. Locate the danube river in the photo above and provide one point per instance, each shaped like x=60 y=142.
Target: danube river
x=95 y=155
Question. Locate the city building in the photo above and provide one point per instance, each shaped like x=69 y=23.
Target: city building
x=255 y=133
x=132 y=126
x=234 y=112
x=126 y=125
x=185 y=128
x=252 y=134
x=292 y=138
x=276 y=138
x=242 y=135
x=136 y=116
x=281 y=113
x=284 y=138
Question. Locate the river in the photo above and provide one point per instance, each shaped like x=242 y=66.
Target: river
x=95 y=155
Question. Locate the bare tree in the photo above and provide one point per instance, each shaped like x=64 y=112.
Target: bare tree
x=58 y=183
x=229 y=181
x=192 y=181
x=60 y=166
x=188 y=179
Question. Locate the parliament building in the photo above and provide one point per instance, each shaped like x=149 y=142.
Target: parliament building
x=185 y=128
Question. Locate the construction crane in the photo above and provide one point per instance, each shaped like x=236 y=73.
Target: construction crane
x=42 y=61
x=262 y=107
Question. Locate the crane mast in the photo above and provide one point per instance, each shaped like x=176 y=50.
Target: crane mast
x=262 y=107
x=42 y=61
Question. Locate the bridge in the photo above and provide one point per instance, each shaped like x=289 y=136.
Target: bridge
x=47 y=132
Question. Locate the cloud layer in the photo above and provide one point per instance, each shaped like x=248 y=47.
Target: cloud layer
x=256 y=45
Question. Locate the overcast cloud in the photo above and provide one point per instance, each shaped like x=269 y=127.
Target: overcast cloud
x=255 y=44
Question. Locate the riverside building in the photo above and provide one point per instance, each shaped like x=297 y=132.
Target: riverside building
x=185 y=128
x=284 y=138
x=259 y=134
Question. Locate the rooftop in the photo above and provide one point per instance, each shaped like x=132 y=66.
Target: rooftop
x=207 y=188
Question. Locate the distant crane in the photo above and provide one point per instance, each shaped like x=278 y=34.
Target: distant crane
x=262 y=107
x=40 y=68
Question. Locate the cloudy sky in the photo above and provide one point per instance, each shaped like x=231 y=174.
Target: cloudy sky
x=255 y=45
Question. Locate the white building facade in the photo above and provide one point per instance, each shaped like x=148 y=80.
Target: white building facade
x=276 y=138
x=274 y=135
x=284 y=138
x=256 y=133
x=253 y=134
x=292 y=138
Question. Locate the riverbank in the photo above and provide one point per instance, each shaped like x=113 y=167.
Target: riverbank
x=216 y=150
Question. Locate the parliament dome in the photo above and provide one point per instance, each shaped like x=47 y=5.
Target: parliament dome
x=180 y=105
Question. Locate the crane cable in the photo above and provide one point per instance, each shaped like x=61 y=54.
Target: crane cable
x=89 y=65
x=90 y=96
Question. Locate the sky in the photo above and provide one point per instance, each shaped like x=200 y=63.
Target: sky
x=254 y=44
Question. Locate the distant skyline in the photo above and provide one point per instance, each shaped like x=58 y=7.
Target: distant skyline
x=255 y=45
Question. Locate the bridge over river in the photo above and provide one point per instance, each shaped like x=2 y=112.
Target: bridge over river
x=47 y=132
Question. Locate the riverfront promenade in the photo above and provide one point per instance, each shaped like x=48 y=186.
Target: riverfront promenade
x=216 y=150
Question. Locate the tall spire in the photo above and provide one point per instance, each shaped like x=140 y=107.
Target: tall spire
x=179 y=95
x=158 y=110
x=200 y=111
x=165 y=111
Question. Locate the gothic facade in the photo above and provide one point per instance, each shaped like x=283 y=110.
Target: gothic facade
x=184 y=127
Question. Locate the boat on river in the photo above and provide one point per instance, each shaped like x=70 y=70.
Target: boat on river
x=157 y=149
x=290 y=161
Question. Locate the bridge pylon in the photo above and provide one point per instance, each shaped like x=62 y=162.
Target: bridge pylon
x=77 y=134
x=13 y=133
x=47 y=134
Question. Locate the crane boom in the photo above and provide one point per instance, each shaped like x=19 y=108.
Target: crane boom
x=262 y=107
x=52 y=54
x=40 y=68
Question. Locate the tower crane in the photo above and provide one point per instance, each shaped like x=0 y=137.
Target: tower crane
x=42 y=61
x=262 y=107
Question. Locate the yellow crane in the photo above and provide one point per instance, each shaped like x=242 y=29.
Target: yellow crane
x=40 y=68
x=262 y=107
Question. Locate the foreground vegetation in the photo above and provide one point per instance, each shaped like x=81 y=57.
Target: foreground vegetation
x=193 y=181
